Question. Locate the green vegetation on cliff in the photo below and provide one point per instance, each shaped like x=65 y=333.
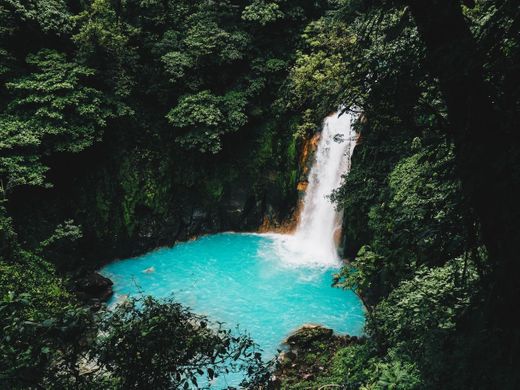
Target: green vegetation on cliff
x=126 y=125
x=146 y=122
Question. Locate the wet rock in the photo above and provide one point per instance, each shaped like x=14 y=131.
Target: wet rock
x=304 y=337
x=308 y=354
x=302 y=185
x=286 y=357
x=93 y=288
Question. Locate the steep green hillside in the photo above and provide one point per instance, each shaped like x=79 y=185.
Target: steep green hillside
x=146 y=122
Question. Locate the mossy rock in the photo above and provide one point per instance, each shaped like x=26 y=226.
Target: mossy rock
x=307 y=336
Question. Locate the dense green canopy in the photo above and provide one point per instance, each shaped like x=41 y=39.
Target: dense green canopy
x=123 y=122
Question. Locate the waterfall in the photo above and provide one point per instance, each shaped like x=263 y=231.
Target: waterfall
x=314 y=241
x=320 y=222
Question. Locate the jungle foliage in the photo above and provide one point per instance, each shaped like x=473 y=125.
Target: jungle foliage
x=139 y=344
x=117 y=117
x=138 y=114
x=429 y=218
x=125 y=108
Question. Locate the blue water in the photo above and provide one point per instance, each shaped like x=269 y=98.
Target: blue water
x=242 y=279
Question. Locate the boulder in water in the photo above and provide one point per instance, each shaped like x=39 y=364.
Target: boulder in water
x=309 y=354
x=93 y=288
x=308 y=334
x=286 y=357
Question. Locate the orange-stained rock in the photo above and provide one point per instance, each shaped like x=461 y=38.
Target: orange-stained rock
x=288 y=226
x=302 y=185
x=337 y=237
x=309 y=146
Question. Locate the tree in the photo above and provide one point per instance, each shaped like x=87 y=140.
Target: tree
x=430 y=79
x=262 y=12
x=487 y=150
x=207 y=117
x=149 y=343
x=52 y=109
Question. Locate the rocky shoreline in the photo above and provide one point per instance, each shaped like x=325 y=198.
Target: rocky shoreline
x=306 y=355
x=93 y=289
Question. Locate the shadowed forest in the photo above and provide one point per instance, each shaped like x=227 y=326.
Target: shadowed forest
x=129 y=125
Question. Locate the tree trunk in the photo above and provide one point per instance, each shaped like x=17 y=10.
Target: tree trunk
x=486 y=153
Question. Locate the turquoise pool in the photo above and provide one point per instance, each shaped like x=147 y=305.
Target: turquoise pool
x=246 y=279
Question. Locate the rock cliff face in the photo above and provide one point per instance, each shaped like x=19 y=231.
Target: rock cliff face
x=286 y=222
x=128 y=201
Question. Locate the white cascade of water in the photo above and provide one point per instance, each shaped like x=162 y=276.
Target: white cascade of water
x=319 y=221
x=314 y=241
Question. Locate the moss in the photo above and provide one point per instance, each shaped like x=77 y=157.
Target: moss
x=145 y=182
x=102 y=206
x=292 y=162
x=292 y=153
x=215 y=189
x=131 y=189
x=347 y=366
x=264 y=151
x=310 y=358
x=319 y=358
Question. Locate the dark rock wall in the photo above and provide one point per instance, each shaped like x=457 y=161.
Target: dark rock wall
x=131 y=195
